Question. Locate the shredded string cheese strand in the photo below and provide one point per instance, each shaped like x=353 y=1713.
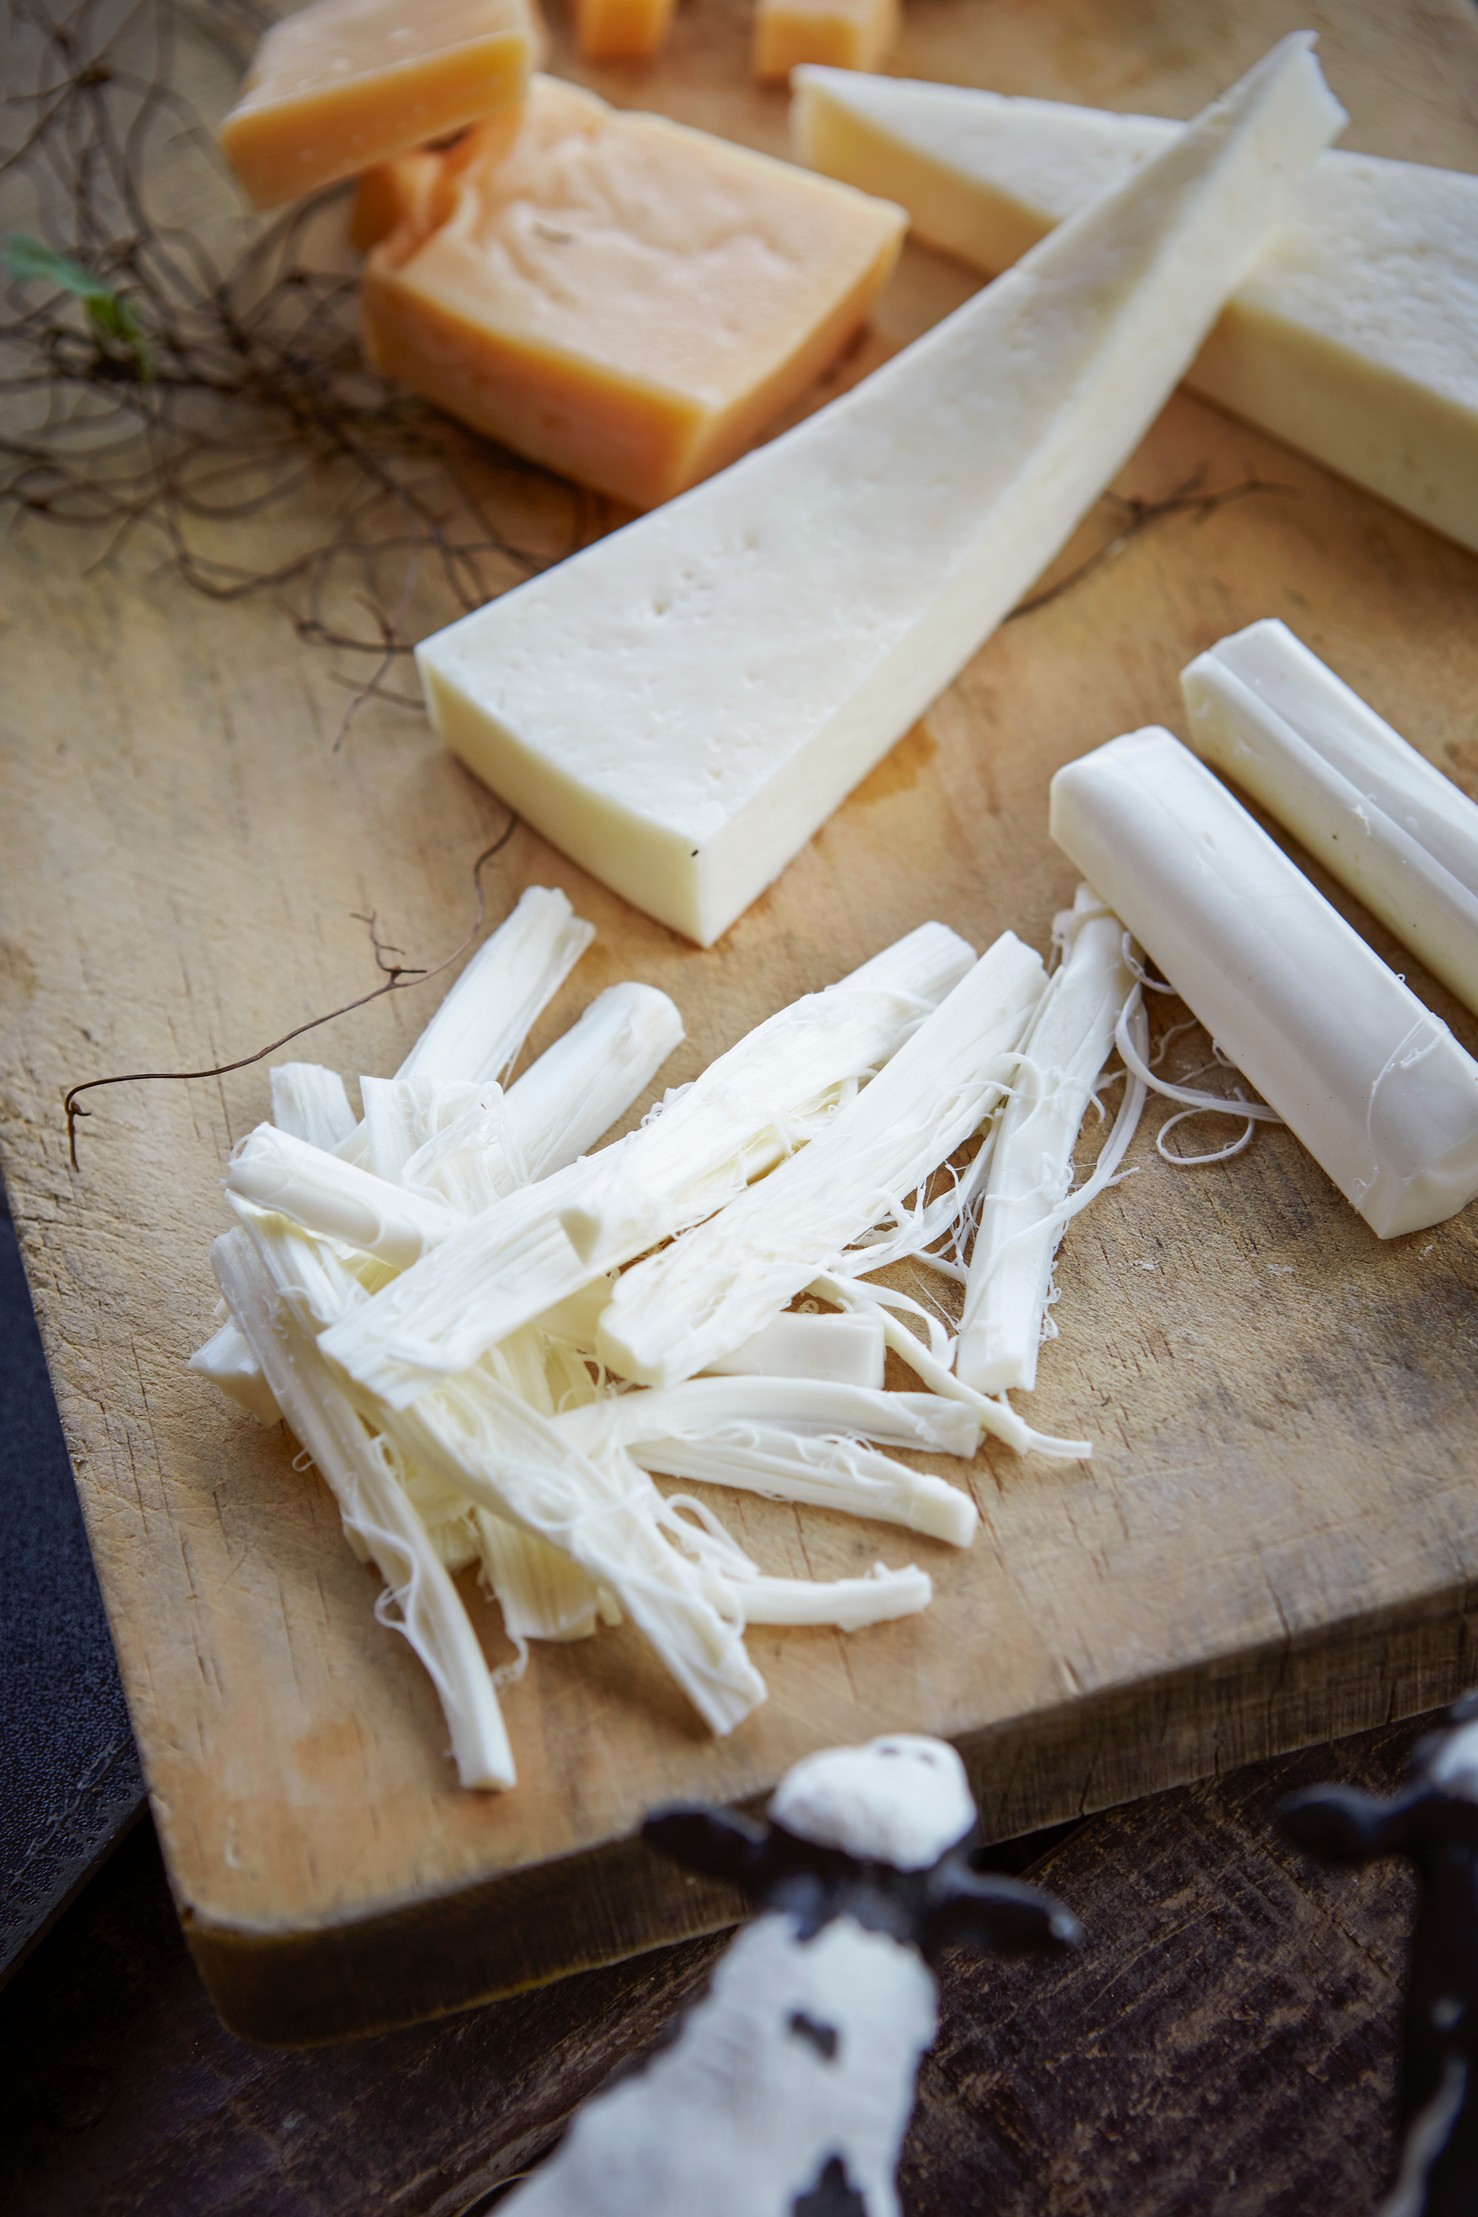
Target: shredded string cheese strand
x=375 y=1509
x=606 y=1514
x=673 y=1313
x=745 y=1112
x=996 y=1417
x=1219 y=1104
x=1022 y=1215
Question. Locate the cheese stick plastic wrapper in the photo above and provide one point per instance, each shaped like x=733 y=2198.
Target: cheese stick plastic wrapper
x=1374 y=1084
x=1378 y=815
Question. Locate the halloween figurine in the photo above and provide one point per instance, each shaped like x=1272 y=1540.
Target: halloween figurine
x=788 y=2088
x=1434 y=1823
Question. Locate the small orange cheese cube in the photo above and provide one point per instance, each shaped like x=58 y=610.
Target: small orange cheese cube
x=393 y=193
x=347 y=83
x=621 y=30
x=845 y=34
x=623 y=299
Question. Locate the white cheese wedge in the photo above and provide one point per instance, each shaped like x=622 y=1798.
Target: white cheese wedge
x=1356 y=337
x=682 y=705
x=1379 y=816
x=1373 y=1083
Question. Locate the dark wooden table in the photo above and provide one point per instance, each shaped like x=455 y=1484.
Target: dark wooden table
x=1224 y=2044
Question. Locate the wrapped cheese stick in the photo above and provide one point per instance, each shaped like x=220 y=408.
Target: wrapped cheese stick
x=1378 y=815
x=1373 y=1083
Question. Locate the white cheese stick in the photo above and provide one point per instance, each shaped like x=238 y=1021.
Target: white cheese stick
x=844 y=1350
x=1378 y=815
x=375 y=1510
x=1021 y=1220
x=1374 y=1085
x=670 y=1315
x=488 y=1014
x=680 y=706
x=1356 y=336
x=746 y=1110
x=310 y=1102
x=588 y=1079
x=334 y=1198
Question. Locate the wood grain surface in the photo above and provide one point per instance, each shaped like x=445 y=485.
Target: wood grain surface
x=1276 y=1536
x=1225 y=2042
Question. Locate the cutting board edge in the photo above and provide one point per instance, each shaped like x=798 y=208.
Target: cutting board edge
x=525 y=1928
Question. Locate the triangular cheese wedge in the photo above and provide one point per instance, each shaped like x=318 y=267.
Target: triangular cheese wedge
x=680 y=706
x=1356 y=338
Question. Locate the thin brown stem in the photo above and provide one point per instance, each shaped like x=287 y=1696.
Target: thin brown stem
x=398 y=977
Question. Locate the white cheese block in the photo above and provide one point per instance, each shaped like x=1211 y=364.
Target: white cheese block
x=1379 y=816
x=1373 y=1083
x=682 y=705
x=1356 y=338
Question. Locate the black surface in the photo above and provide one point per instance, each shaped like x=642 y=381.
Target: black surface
x=69 y=1774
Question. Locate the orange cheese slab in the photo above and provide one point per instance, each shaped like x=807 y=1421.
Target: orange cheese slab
x=626 y=300
x=348 y=83
x=621 y=30
x=843 y=34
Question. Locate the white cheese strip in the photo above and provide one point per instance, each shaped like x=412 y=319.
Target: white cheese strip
x=1379 y=816
x=488 y=1014
x=543 y=1594
x=473 y=1163
x=681 y=705
x=605 y=1514
x=822 y=1473
x=848 y=1603
x=335 y=1199
x=845 y=1350
x=1356 y=336
x=310 y=1102
x=230 y=1364
x=1021 y=1220
x=588 y=1079
x=745 y=1111
x=375 y=1510
x=670 y=1315
x=1374 y=1085
x=701 y=1407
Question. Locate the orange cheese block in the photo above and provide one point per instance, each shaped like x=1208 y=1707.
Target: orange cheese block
x=846 y=34
x=626 y=300
x=347 y=83
x=621 y=30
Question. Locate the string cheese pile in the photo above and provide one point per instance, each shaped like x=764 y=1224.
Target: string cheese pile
x=491 y=1342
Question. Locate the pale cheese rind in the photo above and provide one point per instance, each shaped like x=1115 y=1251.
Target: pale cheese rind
x=682 y=705
x=1355 y=338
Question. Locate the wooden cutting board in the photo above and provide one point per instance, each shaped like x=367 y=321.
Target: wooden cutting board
x=1275 y=1539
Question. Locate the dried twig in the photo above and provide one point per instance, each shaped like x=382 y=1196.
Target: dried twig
x=157 y=389
x=398 y=978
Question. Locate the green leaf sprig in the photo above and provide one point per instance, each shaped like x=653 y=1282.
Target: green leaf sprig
x=114 y=326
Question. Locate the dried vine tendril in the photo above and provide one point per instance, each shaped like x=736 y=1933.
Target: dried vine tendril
x=176 y=372
x=397 y=977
